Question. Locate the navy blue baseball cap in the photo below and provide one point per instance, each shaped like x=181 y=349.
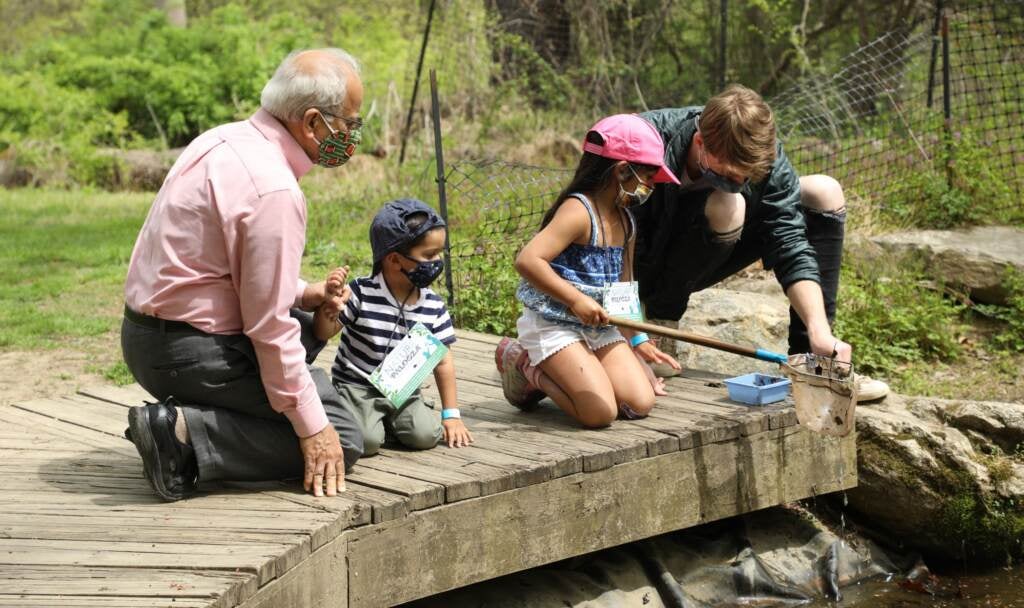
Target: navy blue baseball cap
x=390 y=230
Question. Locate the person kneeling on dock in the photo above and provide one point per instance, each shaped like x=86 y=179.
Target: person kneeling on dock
x=577 y=272
x=390 y=318
x=212 y=321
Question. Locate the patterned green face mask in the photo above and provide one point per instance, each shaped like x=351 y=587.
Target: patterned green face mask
x=338 y=147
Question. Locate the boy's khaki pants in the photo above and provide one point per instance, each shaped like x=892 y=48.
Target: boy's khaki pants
x=414 y=425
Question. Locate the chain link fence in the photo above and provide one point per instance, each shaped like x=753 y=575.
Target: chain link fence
x=922 y=127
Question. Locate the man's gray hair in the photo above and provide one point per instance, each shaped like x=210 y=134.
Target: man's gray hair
x=300 y=84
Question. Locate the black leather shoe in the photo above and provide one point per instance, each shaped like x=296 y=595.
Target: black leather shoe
x=169 y=465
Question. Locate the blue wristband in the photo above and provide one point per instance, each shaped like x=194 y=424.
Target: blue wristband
x=638 y=339
x=449 y=413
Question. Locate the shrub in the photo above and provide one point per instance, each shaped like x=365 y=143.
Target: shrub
x=972 y=190
x=55 y=131
x=485 y=295
x=1012 y=314
x=892 y=319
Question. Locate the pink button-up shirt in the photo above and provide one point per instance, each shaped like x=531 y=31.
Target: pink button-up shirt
x=221 y=250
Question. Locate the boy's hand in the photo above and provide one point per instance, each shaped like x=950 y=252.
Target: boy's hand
x=337 y=292
x=334 y=303
x=456 y=435
x=589 y=311
x=336 y=280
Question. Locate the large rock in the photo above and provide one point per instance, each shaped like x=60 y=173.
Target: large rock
x=976 y=258
x=943 y=476
x=747 y=318
x=143 y=169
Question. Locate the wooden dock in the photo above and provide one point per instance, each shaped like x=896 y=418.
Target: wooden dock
x=80 y=527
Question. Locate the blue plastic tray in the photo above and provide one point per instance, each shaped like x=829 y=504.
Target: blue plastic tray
x=757 y=389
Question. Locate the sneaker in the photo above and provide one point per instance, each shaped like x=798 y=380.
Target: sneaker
x=169 y=465
x=511 y=358
x=869 y=389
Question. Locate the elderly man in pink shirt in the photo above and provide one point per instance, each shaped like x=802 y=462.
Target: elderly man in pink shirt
x=214 y=325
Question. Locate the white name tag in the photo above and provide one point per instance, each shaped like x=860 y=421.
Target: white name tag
x=405 y=367
x=622 y=300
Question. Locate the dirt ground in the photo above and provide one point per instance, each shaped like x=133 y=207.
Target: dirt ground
x=27 y=375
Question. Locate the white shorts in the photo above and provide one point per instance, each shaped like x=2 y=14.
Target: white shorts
x=542 y=338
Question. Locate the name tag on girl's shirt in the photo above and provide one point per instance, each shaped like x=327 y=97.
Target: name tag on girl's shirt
x=407 y=365
x=622 y=300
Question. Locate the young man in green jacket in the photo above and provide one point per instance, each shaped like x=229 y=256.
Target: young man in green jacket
x=739 y=201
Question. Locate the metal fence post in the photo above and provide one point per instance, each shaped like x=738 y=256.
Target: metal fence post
x=416 y=83
x=935 y=51
x=442 y=195
x=947 y=111
x=723 y=38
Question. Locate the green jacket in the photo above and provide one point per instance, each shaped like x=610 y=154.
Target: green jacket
x=774 y=216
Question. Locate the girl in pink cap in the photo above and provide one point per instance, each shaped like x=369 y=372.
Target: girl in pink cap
x=577 y=271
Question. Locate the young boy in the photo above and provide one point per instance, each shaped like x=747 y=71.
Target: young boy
x=407 y=239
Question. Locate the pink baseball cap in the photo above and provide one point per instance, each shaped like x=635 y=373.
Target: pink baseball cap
x=631 y=138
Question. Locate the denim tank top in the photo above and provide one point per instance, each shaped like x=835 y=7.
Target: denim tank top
x=589 y=268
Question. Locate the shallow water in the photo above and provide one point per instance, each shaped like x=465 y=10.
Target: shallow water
x=1002 y=587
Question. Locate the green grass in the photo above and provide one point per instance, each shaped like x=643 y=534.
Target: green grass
x=117 y=373
x=62 y=263
x=64 y=254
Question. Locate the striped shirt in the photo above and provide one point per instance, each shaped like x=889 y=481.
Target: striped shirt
x=375 y=323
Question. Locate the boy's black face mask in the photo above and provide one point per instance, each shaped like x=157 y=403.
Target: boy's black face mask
x=425 y=272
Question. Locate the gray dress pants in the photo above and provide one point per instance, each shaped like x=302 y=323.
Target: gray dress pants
x=236 y=434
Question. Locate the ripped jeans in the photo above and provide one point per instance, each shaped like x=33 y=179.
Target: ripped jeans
x=698 y=258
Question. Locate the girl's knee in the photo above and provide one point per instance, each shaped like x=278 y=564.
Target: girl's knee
x=596 y=418
x=639 y=405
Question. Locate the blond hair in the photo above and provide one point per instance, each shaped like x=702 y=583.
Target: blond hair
x=738 y=128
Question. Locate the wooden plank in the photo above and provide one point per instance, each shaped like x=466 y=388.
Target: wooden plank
x=385 y=506
x=217 y=588
x=98 y=601
x=623 y=447
x=512 y=531
x=491 y=478
x=522 y=440
x=266 y=561
x=594 y=457
x=457 y=486
x=125 y=396
x=321 y=580
x=551 y=462
x=420 y=494
x=465 y=335
x=780 y=415
x=36 y=425
x=523 y=471
x=120 y=526
x=107 y=530
x=96 y=415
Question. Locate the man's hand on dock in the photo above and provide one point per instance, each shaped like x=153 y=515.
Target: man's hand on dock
x=325 y=462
